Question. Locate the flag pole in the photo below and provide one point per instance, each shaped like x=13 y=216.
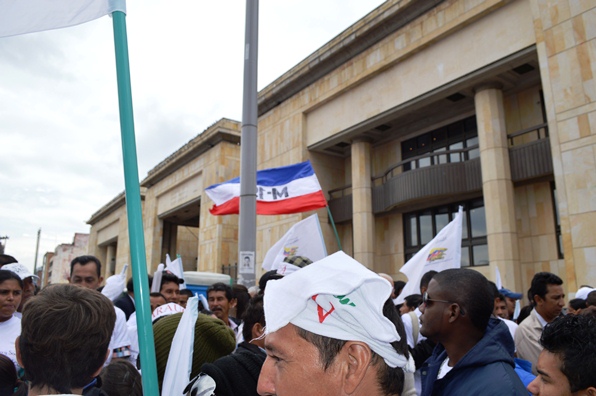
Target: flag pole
x=334 y=229
x=247 y=233
x=133 y=209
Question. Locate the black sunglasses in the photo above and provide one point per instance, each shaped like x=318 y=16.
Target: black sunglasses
x=425 y=301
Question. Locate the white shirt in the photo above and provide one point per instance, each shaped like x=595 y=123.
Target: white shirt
x=119 y=340
x=9 y=331
x=408 y=327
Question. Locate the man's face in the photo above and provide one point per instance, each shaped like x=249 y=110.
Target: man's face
x=28 y=291
x=85 y=276
x=551 y=306
x=434 y=313
x=10 y=298
x=219 y=304
x=550 y=380
x=156 y=302
x=510 y=306
x=171 y=291
x=183 y=300
x=293 y=367
x=501 y=309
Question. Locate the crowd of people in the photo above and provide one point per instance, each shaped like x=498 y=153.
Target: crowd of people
x=330 y=327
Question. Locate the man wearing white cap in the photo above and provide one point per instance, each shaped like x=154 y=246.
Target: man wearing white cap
x=328 y=332
x=28 y=282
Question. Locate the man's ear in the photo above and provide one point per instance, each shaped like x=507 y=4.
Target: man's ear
x=358 y=357
x=454 y=312
x=591 y=391
x=100 y=280
x=18 y=352
x=233 y=302
x=538 y=300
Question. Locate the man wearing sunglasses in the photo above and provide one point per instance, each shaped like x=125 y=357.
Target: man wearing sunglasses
x=474 y=352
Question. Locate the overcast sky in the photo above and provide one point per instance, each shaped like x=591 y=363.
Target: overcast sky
x=61 y=154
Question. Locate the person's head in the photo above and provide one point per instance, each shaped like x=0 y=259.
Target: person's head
x=130 y=287
x=575 y=306
x=390 y=280
x=510 y=298
x=425 y=280
x=591 y=300
x=457 y=301
x=28 y=279
x=266 y=277
x=121 y=378
x=156 y=299
x=9 y=381
x=219 y=296
x=11 y=291
x=411 y=302
x=241 y=297
x=501 y=307
x=567 y=364
x=254 y=321
x=185 y=294
x=65 y=335
x=318 y=340
x=85 y=271
x=547 y=295
x=170 y=287
x=398 y=286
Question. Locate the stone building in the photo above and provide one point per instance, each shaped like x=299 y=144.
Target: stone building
x=56 y=265
x=415 y=109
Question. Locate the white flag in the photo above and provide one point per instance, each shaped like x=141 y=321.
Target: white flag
x=303 y=239
x=443 y=252
x=498 y=281
x=176 y=268
x=29 y=16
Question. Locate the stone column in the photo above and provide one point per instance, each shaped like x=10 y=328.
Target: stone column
x=110 y=254
x=363 y=220
x=497 y=186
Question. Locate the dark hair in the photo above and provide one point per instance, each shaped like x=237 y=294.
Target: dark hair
x=186 y=292
x=539 y=286
x=493 y=289
x=121 y=378
x=524 y=313
x=254 y=314
x=426 y=278
x=591 y=299
x=6 y=259
x=9 y=379
x=84 y=260
x=130 y=287
x=266 y=277
x=240 y=293
x=390 y=379
x=7 y=275
x=471 y=291
x=573 y=339
x=398 y=286
x=577 y=303
x=413 y=301
x=219 y=286
x=66 y=330
x=168 y=277
x=158 y=294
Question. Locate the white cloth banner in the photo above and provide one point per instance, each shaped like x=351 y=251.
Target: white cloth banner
x=179 y=364
x=29 y=16
x=304 y=238
x=175 y=267
x=115 y=285
x=443 y=252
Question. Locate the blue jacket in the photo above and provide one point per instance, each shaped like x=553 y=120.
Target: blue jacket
x=487 y=369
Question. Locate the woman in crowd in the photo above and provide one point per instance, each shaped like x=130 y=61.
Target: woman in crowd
x=11 y=290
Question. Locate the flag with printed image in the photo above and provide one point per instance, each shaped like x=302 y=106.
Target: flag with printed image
x=284 y=190
x=441 y=253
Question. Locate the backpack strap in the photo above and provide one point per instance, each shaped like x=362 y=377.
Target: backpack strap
x=415 y=326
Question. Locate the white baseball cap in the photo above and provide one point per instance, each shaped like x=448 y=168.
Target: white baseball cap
x=20 y=270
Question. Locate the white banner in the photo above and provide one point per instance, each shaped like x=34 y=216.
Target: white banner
x=29 y=16
x=443 y=252
x=302 y=239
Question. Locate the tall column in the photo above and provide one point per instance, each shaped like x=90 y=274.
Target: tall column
x=110 y=255
x=363 y=220
x=497 y=187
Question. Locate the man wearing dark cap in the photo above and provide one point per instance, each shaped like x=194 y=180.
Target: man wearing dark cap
x=510 y=298
x=474 y=352
x=548 y=299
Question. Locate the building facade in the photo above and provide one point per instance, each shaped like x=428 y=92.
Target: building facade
x=417 y=108
x=56 y=265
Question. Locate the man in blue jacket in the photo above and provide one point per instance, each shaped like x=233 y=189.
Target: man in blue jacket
x=474 y=352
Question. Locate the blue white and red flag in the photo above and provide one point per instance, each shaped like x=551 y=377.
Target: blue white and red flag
x=284 y=190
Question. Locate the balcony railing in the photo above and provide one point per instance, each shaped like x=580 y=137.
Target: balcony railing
x=451 y=174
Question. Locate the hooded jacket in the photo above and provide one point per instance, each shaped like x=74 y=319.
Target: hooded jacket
x=487 y=369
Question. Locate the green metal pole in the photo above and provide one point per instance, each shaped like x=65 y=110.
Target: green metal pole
x=334 y=229
x=133 y=208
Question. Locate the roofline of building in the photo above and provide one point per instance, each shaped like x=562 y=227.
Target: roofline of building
x=374 y=27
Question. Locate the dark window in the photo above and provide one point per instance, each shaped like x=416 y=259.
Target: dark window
x=420 y=227
x=457 y=136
